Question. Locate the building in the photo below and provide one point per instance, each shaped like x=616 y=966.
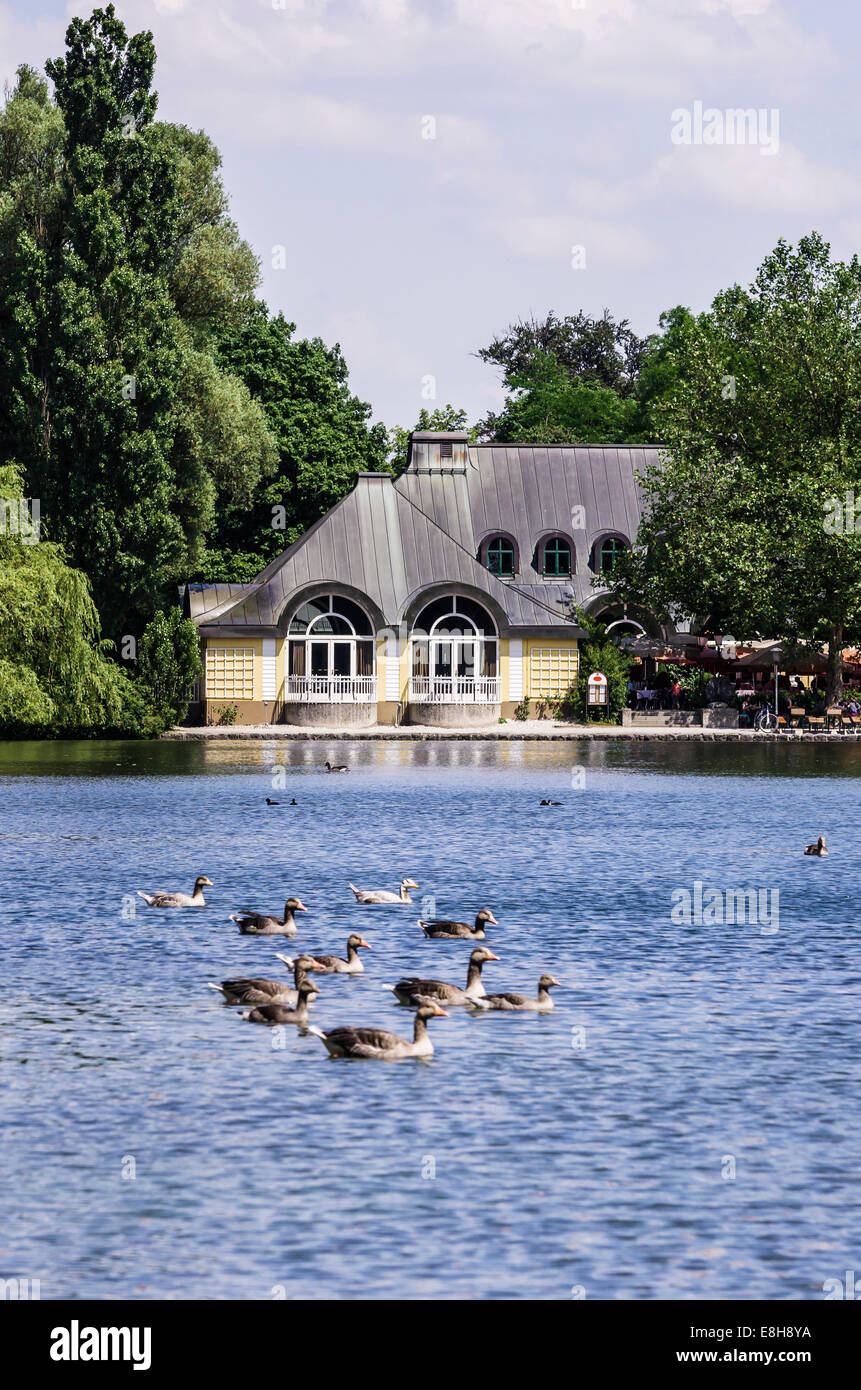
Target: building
x=442 y=597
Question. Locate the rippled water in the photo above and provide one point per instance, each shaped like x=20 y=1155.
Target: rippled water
x=591 y=1149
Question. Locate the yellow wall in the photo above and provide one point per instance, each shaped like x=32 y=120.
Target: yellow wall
x=554 y=644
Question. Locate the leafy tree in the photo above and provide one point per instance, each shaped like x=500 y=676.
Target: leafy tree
x=118 y=269
x=597 y=352
x=169 y=664
x=746 y=525
x=444 y=417
x=322 y=435
x=545 y=406
x=55 y=675
x=599 y=653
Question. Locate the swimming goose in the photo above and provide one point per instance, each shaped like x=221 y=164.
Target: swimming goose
x=818 y=848
x=441 y=930
x=382 y=895
x=335 y=965
x=282 y=1013
x=261 y=991
x=520 y=1002
x=195 y=899
x=414 y=992
x=368 y=1043
x=330 y=768
x=258 y=924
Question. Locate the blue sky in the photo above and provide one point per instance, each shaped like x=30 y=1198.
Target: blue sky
x=552 y=123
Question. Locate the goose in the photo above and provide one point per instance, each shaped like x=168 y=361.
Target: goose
x=335 y=965
x=195 y=899
x=414 y=992
x=382 y=895
x=258 y=924
x=368 y=1043
x=521 y=1003
x=282 y=1013
x=330 y=768
x=441 y=930
x=261 y=991
x=818 y=848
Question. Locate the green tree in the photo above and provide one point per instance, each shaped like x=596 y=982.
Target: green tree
x=55 y=675
x=169 y=664
x=544 y=405
x=746 y=526
x=118 y=270
x=323 y=440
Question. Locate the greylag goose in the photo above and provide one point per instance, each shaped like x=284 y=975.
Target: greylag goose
x=441 y=930
x=377 y=1043
x=330 y=768
x=382 y=895
x=262 y=991
x=818 y=848
x=258 y=924
x=414 y=992
x=282 y=1013
x=520 y=1003
x=195 y=899
x=336 y=965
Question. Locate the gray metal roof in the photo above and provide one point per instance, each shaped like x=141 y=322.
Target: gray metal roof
x=391 y=540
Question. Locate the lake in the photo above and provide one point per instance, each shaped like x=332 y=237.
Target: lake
x=684 y=1125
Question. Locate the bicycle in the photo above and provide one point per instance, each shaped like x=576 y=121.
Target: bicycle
x=766 y=722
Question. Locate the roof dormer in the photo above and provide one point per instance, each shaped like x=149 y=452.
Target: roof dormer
x=438 y=451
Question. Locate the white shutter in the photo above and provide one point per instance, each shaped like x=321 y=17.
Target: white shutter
x=269 y=678
x=515 y=669
x=392 y=659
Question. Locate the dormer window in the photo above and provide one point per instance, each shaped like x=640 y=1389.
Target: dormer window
x=500 y=556
x=607 y=553
x=555 y=559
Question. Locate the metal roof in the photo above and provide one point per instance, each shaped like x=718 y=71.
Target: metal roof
x=390 y=540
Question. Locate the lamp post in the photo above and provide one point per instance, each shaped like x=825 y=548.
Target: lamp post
x=777 y=653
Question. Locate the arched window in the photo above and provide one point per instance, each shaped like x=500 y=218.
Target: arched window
x=499 y=554
x=607 y=554
x=555 y=557
x=331 y=651
x=454 y=653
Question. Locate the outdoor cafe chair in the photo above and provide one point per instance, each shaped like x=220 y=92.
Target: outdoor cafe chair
x=798 y=717
x=834 y=716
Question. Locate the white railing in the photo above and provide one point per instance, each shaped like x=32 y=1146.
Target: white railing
x=330 y=690
x=455 y=690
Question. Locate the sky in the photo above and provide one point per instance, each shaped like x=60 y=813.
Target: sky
x=415 y=175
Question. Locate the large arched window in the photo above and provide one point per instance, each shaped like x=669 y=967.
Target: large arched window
x=607 y=553
x=499 y=555
x=556 y=557
x=331 y=651
x=454 y=653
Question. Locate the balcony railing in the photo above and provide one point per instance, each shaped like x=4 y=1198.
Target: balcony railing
x=330 y=690
x=455 y=690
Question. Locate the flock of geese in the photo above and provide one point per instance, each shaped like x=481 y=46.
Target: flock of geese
x=276 y=1002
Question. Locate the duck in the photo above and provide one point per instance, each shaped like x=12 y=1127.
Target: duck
x=294 y=802
x=272 y=803
x=818 y=848
x=283 y=1013
x=441 y=930
x=330 y=768
x=195 y=899
x=520 y=1003
x=382 y=895
x=550 y=803
x=336 y=965
x=258 y=924
x=376 y=1043
x=262 y=991
x=412 y=991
